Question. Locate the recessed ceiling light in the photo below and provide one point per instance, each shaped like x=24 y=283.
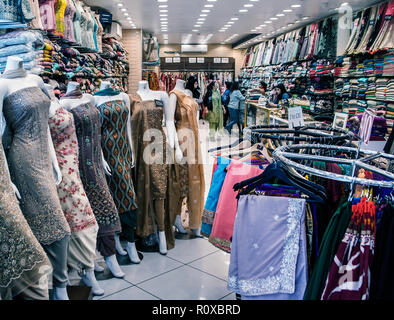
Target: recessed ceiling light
x=205 y=10
x=197 y=26
x=164 y=10
x=295 y=5
x=280 y=15
x=227 y=25
x=164 y=15
x=344 y=4
x=297 y=21
x=222 y=30
x=267 y=21
x=126 y=14
x=208 y=6
x=162 y=0
x=234 y=19
x=203 y=15
x=230 y=22
x=163 y=6
x=211 y=0
x=200 y=22
x=129 y=18
x=201 y=19
x=194 y=30
x=305 y=18
x=263 y=25
x=249 y=5
x=123 y=9
x=243 y=10
x=120 y=4
x=287 y=10
x=274 y=18
x=258 y=28
x=164 y=22
x=163 y=19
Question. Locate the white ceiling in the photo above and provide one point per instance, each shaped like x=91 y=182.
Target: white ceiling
x=183 y=15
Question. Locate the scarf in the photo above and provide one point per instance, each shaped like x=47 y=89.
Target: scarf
x=75 y=94
x=13 y=74
x=107 y=92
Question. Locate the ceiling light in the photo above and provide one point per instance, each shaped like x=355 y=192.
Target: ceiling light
x=161 y=0
x=197 y=26
x=211 y=0
x=263 y=25
x=129 y=18
x=163 y=6
x=243 y=10
x=280 y=15
x=253 y=30
x=123 y=9
x=120 y=4
x=305 y=18
x=203 y=15
x=344 y=4
x=163 y=19
x=227 y=25
x=234 y=19
x=287 y=10
x=205 y=10
x=297 y=21
x=208 y=6
x=222 y=30
x=165 y=10
x=258 y=28
x=274 y=18
x=126 y=14
x=200 y=22
x=249 y=5
x=164 y=15
x=194 y=30
x=267 y=21
x=201 y=19
x=295 y=5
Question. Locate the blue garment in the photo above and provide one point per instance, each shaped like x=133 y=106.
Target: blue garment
x=236 y=98
x=226 y=97
x=213 y=196
x=234 y=119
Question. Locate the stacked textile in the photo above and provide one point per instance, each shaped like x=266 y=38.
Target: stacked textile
x=381 y=88
x=15 y=14
x=23 y=44
x=371 y=88
x=369 y=67
x=362 y=88
x=379 y=127
x=379 y=61
x=388 y=65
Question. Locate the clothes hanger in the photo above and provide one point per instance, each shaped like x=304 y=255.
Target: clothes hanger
x=259 y=148
x=236 y=143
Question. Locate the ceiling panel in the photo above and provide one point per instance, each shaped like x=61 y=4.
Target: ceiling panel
x=182 y=16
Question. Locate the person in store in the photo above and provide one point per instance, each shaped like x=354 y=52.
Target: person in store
x=237 y=100
x=192 y=86
x=262 y=89
x=280 y=94
x=215 y=109
x=226 y=101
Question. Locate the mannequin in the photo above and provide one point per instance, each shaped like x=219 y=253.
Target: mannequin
x=75 y=204
x=148 y=95
x=113 y=106
x=92 y=170
x=180 y=87
x=24 y=103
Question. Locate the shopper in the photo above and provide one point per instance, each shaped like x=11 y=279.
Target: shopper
x=215 y=114
x=192 y=86
x=262 y=89
x=226 y=101
x=237 y=100
x=280 y=93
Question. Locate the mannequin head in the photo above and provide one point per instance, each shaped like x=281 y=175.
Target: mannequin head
x=180 y=84
x=105 y=85
x=13 y=63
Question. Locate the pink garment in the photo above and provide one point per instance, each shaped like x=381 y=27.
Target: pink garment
x=223 y=224
x=69 y=21
x=48 y=16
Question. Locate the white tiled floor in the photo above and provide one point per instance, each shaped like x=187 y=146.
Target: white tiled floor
x=193 y=270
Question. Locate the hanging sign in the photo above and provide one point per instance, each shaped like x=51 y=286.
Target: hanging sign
x=366 y=126
x=296 y=118
x=200 y=60
x=225 y=60
x=217 y=60
x=168 y=60
x=192 y=60
x=176 y=60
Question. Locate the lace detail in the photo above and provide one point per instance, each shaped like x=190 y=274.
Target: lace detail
x=284 y=281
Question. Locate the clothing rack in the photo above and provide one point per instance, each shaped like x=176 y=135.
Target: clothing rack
x=285 y=153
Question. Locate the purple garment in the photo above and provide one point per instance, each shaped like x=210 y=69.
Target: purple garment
x=268 y=252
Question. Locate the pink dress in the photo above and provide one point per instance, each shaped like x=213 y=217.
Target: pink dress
x=48 y=16
x=223 y=224
x=69 y=21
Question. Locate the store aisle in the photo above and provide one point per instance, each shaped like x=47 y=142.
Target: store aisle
x=193 y=270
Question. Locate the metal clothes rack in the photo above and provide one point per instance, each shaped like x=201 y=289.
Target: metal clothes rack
x=286 y=153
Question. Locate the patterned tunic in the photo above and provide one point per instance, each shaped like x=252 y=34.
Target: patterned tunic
x=117 y=152
x=88 y=126
x=75 y=204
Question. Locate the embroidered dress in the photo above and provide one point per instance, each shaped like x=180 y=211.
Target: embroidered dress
x=36 y=22
x=77 y=24
x=19 y=248
x=26 y=114
x=88 y=128
x=48 y=16
x=268 y=255
x=60 y=11
x=69 y=21
x=75 y=204
x=16 y=11
x=117 y=152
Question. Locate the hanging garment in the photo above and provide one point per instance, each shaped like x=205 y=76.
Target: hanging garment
x=100 y=31
x=48 y=16
x=378 y=24
x=20 y=250
x=151 y=177
x=26 y=114
x=215 y=116
x=69 y=21
x=36 y=22
x=223 y=224
x=362 y=47
x=268 y=258
x=60 y=10
x=349 y=275
x=213 y=196
x=329 y=245
x=192 y=171
x=384 y=28
x=87 y=122
x=77 y=23
x=117 y=152
x=16 y=11
x=73 y=199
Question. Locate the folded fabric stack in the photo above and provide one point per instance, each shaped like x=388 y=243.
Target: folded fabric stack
x=353 y=107
x=371 y=89
x=388 y=65
x=390 y=91
x=360 y=70
x=369 y=67
x=381 y=88
x=353 y=88
x=339 y=87
x=46 y=59
x=390 y=111
x=23 y=44
x=362 y=88
x=379 y=127
x=379 y=66
x=381 y=109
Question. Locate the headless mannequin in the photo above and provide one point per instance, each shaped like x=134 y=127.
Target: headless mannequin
x=170 y=115
x=89 y=277
x=70 y=104
x=148 y=95
x=131 y=249
x=8 y=86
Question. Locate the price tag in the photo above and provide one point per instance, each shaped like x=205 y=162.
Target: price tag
x=168 y=60
x=366 y=126
x=192 y=60
x=225 y=60
x=200 y=60
x=217 y=60
x=296 y=118
x=177 y=60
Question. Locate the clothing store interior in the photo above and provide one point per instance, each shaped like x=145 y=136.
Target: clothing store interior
x=196 y=150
